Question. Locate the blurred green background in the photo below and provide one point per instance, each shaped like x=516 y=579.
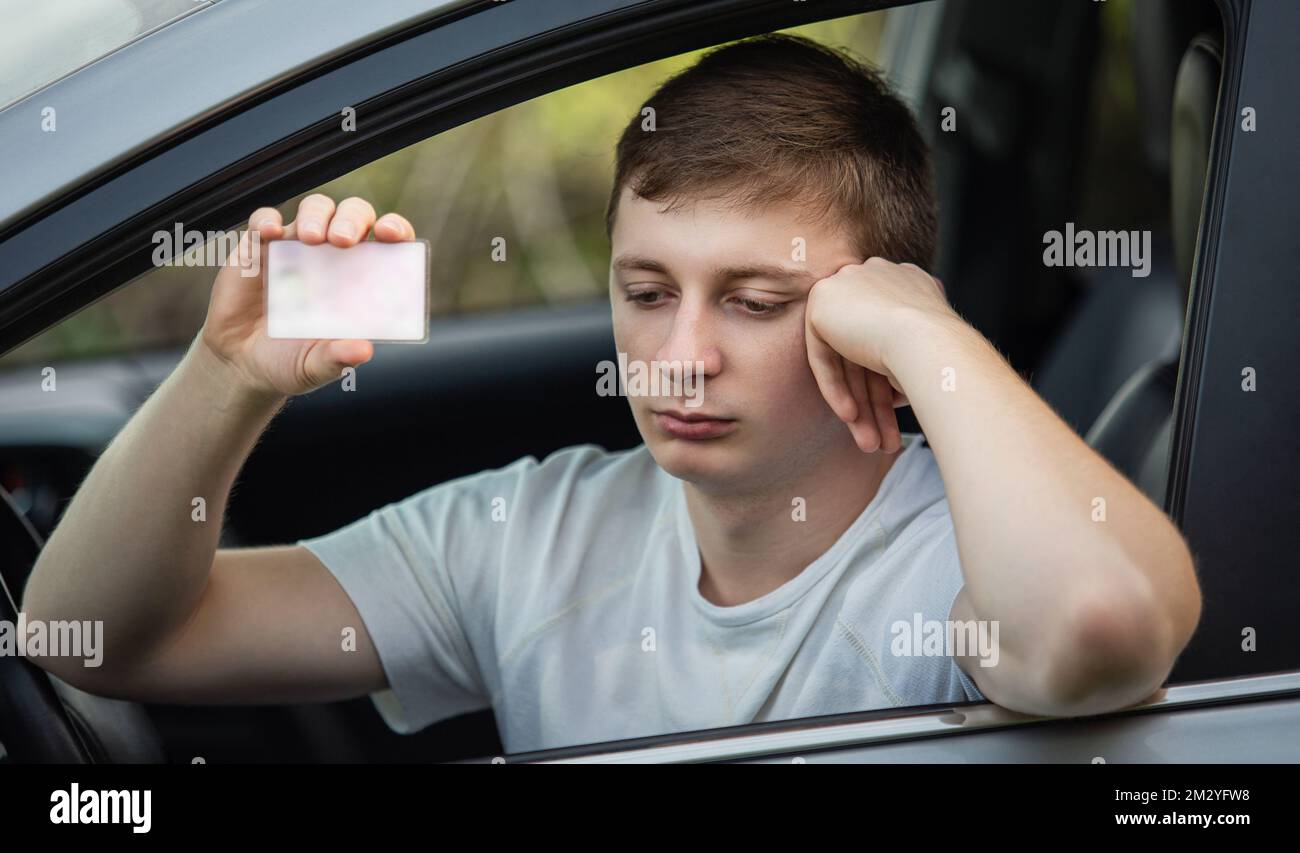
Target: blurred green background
x=537 y=174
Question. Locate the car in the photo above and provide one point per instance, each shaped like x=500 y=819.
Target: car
x=1183 y=378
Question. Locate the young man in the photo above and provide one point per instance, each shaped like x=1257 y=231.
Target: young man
x=778 y=551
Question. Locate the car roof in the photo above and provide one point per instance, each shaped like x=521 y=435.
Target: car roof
x=171 y=79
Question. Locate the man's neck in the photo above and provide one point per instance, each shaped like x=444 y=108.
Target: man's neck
x=752 y=544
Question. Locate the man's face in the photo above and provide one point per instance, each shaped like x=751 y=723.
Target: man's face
x=728 y=289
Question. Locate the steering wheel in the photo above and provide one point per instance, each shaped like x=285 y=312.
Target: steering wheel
x=42 y=718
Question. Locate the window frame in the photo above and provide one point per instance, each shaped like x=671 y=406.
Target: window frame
x=1238 y=291
x=864 y=730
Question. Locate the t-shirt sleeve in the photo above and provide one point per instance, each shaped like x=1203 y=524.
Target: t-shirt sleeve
x=423 y=573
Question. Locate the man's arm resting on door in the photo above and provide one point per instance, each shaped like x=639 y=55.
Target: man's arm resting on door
x=272 y=626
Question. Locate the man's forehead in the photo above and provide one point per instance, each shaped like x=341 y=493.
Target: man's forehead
x=689 y=210
x=730 y=236
x=720 y=270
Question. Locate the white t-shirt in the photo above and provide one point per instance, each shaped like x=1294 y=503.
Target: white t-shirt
x=564 y=595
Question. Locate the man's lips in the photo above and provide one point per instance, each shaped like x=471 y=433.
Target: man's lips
x=691 y=416
x=693 y=425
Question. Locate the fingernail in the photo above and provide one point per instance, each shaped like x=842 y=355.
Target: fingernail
x=346 y=229
x=310 y=229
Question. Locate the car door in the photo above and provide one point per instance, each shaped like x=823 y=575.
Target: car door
x=77 y=223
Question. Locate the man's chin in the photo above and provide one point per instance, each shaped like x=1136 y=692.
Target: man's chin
x=715 y=460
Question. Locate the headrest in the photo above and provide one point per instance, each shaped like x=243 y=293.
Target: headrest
x=1161 y=31
x=1196 y=94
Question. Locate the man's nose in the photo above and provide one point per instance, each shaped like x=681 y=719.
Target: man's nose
x=692 y=338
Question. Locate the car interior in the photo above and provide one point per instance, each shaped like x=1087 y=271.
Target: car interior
x=1037 y=104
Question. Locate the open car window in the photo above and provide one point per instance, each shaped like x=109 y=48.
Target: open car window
x=533 y=177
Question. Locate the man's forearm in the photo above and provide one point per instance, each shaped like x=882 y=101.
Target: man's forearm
x=1048 y=532
x=129 y=549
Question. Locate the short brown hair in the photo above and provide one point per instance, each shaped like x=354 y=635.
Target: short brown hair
x=781 y=118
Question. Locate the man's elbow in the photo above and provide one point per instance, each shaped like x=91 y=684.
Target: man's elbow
x=1120 y=648
x=66 y=647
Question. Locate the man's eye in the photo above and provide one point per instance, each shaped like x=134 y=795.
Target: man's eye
x=640 y=299
x=757 y=307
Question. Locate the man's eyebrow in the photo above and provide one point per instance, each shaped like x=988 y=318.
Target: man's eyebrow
x=775 y=272
x=638 y=263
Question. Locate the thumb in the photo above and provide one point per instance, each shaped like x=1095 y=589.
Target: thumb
x=327 y=359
